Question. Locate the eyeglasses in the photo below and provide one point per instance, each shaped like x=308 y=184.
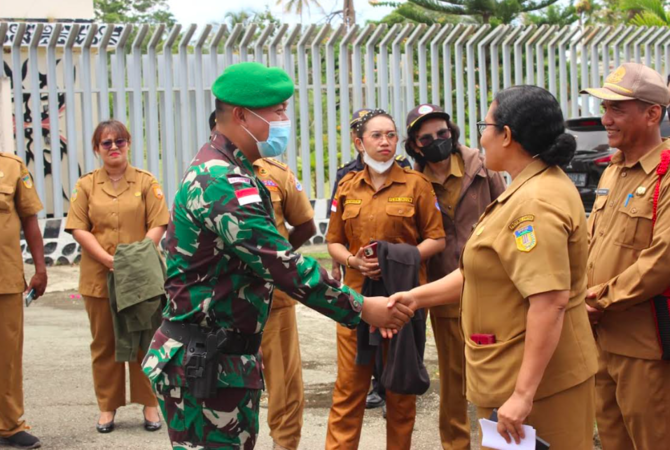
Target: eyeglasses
x=377 y=136
x=120 y=143
x=428 y=139
x=481 y=126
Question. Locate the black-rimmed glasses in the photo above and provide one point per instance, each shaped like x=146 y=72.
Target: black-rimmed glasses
x=481 y=126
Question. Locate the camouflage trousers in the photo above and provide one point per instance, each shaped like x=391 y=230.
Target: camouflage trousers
x=227 y=421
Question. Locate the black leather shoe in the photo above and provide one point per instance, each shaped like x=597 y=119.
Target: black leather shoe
x=374 y=400
x=106 y=427
x=151 y=426
x=21 y=439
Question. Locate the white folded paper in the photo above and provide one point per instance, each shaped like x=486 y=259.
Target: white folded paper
x=492 y=439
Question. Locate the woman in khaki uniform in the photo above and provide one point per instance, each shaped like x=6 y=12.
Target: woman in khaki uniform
x=388 y=203
x=529 y=348
x=116 y=204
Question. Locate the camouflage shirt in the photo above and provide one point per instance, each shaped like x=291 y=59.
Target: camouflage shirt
x=224 y=258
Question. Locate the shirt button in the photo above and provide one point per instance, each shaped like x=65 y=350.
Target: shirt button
x=114 y=199
x=590 y=265
x=633 y=210
x=602 y=233
x=624 y=174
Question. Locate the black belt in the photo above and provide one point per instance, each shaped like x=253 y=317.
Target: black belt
x=227 y=342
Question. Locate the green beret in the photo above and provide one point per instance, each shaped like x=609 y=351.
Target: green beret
x=253 y=85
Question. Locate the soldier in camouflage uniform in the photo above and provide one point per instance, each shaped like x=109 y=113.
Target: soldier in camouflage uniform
x=224 y=257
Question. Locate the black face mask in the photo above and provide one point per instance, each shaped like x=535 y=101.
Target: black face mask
x=438 y=150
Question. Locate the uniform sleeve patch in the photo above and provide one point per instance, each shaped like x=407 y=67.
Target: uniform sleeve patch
x=298 y=186
x=248 y=196
x=270 y=185
x=27 y=181
x=515 y=223
x=525 y=238
x=74 y=194
x=333 y=205
x=158 y=192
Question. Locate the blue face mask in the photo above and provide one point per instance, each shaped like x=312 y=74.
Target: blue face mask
x=277 y=140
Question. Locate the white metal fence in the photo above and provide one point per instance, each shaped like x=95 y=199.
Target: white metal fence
x=68 y=77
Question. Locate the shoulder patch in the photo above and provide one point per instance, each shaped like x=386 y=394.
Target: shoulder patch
x=158 y=192
x=276 y=163
x=525 y=218
x=27 y=180
x=525 y=238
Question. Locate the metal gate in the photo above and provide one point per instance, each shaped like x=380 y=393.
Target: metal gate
x=68 y=77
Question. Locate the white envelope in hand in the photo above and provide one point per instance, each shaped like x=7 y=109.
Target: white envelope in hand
x=492 y=439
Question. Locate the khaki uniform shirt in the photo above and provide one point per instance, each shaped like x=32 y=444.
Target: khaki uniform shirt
x=626 y=264
x=114 y=216
x=18 y=200
x=449 y=192
x=290 y=205
x=531 y=240
x=403 y=211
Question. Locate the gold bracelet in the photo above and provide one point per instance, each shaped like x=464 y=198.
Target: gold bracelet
x=347 y=262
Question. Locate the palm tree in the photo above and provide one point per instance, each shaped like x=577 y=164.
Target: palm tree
x=649 y=13
x=298 y=6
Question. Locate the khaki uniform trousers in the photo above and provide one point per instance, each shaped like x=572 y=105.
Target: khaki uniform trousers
x=632 y=402
x=283 y=377
x=11 y=364
x=109 y=376
x=565 y=420
x=454 y=421
x=351 y=389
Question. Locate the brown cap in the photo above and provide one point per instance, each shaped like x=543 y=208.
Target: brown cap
x=424 y=111
x=632 y=81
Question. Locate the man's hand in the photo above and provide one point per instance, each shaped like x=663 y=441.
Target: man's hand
x=511 y=416
x=369 y=267
x=595 y=314
x=39 y=283
x=377 y=313
x=398 y=299
x=336 y=272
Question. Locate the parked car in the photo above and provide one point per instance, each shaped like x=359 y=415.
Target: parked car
x=593 y=155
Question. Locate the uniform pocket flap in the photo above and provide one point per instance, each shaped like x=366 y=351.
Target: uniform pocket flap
x=600 y=202
x=400 y=210
x=638 y=209
x=351 y=211
x=4 y=189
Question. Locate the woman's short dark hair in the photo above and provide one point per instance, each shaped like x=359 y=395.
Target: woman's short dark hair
x=114 y=126
x=362 y=124
x=412 y=135
x=536 y=121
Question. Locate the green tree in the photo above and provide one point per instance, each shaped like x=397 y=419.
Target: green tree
x=553 y=15
x=411 y=13
x=133 y=11
x=247 y=17
x=299 y=6
x=488 y=11
x=650 y=13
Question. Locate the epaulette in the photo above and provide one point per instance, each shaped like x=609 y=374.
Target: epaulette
x=400 y=158
x=347 y=177
x=414 y=172
x=276 y=163
x=146 y=172
x=11 y=156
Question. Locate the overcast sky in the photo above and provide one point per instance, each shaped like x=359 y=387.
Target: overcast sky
x=214 y=11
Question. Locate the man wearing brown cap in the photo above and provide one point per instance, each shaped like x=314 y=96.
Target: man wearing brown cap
x=629 y=256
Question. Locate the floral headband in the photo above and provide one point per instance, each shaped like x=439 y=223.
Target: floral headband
x=370 y=115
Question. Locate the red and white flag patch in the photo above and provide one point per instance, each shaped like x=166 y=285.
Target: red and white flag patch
x=247 y=196
x=333 y=205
